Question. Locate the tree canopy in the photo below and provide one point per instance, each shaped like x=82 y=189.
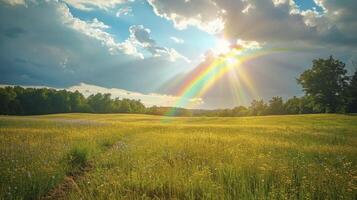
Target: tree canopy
x=31 y=101
x=326 y=82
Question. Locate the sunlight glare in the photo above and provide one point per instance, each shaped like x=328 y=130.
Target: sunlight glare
x=231 y=60
x=222 y=47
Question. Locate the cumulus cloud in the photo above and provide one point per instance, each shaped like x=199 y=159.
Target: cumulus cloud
x=126 y=11
x=273 y=21
x=177 y=40
x=150 y=99
x=13 y=2
x=184 y=13
x=95 y=29
x=248 y=44
x=139 y=35
x=42 y=43
x=92 y=4
x=341 y=15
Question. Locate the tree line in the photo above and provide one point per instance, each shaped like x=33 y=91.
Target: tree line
x=327 y=88
x=31 y=101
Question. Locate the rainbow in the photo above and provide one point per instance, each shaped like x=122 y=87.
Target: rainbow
x=205 y=76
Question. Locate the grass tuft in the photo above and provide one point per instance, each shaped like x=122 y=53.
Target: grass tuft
x=77 y=159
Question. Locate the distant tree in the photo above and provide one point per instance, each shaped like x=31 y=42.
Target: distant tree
x=352 y=94
x=8 y=102
x=78 y=102
x=136 y=106
x=276 y=106
x=125 y=106
x=153 y=110
x=225 y=113
x=32 y=101
x=325 y=82
x=240 y=111
x=307 y=105
x=258 y=107
x=59 y=101
x=292 y=106
x=100 y=103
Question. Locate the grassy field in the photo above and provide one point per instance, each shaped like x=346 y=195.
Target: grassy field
x=90 y=156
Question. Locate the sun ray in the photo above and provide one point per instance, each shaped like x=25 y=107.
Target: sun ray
x=204 y=78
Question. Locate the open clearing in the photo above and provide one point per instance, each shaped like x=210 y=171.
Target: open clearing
x=146 y=157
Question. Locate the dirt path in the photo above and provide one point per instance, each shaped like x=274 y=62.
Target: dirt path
x=69 y=183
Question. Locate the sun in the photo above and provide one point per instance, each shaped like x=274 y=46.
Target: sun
x=231 y=60
x=222 y=46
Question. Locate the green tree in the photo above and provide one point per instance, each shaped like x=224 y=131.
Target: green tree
x=258 y=107
x=352 y=94
x=78 y=102
x=240 y=111
x=325 y=82
x=292 y=106
x=125 y=106
x=276 y=106
x=8 y=102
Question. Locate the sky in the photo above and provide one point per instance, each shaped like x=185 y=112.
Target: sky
x=185 y=53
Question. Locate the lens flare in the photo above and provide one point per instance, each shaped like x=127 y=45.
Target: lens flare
x=222 y=47
x=231 y=61
x=207 y=75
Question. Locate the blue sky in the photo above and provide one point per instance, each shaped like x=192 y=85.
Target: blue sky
x=308 y=5
x=196 y=41
x=147 y=49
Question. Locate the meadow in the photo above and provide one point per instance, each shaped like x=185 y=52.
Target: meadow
x=117 y=156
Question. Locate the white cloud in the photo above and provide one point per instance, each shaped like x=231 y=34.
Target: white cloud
x=86 y=5
x=248 y=44
x=92 y=4
x=140 y=36
x=341 y=15
x=186 y=13
x=14 y=2
x=126 y=11
x=150 y=99
x=271 y=21
x=95 y=29
x=58 y=49
x=177 y=40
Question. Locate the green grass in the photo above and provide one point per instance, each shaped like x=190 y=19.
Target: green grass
x=145 y=157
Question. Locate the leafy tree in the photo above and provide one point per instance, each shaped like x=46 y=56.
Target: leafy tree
x=240 y=111
x=258 y=107
x=78 y=102
x=352 y=94
x=276 y=106
x=325 y=82
x=100 y=103
x=7 y=100
x=30 y=101
x=307 y=105
x=125 y=106
x=292 y=106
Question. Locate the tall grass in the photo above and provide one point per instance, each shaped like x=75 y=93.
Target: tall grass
x=36 y=154
x=138 y=157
